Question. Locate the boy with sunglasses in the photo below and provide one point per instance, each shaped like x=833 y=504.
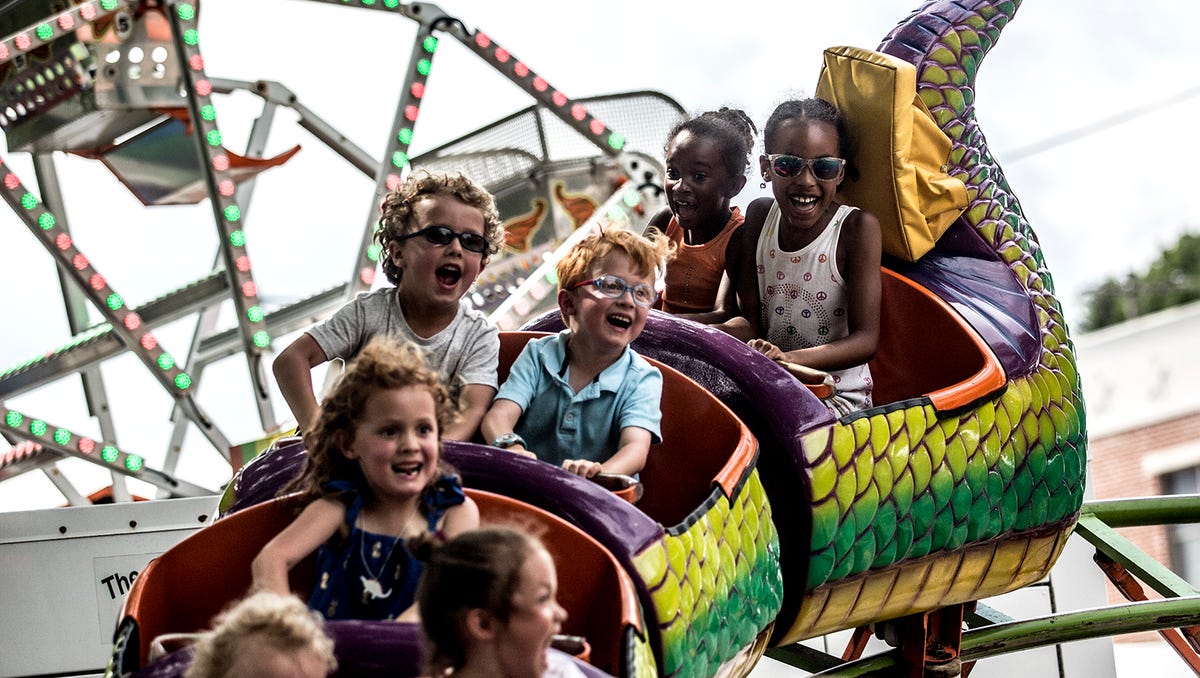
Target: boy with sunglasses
x=583 y=399
x=436 y=233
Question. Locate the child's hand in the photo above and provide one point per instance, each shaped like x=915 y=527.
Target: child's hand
x=520 y=449
x=582 y=467
x=768 y=349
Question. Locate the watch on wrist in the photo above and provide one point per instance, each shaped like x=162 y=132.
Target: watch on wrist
x=508 y=440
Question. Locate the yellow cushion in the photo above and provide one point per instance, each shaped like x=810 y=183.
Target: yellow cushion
x=898 y=150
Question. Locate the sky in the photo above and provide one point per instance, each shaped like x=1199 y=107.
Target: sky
x=1087 y=106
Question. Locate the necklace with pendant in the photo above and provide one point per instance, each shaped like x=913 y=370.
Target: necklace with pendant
x=372 y=589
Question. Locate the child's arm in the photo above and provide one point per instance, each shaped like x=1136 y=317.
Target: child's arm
x=293 y=373
x=501 y=419
x=461 y=518
x=630 y=459
x=737 y=297
x=313 y=527
x=475 y=399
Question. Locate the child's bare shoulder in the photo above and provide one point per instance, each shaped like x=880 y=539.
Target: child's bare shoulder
x=660 y=220
x=862 y=218
x=862 y=231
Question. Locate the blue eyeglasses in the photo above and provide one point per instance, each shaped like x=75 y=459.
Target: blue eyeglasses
x=787 y=166
x=443 y=235
x=613 y=287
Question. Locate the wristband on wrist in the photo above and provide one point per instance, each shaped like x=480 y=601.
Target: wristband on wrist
x=508 y=440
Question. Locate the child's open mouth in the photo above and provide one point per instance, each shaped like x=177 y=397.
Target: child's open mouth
x=619 y=321
x=803 y=202
x=448 y=275
x=408 y=469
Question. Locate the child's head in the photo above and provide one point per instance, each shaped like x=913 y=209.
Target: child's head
x=813 y=110
x=805 y=142
x=451 y=212
x=380 y=426
x=268 y=635
x=707 y=157
x=490 y=595
x=607 y=283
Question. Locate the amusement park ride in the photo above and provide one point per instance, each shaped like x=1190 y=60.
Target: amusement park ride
x=764 y=521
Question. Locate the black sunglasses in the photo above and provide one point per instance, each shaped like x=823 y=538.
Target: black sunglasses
x=786 y=166
x=443 y=235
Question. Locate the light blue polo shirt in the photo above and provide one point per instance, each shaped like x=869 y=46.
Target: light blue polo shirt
x=559 y=424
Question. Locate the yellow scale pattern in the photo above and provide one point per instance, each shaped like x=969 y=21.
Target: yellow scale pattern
x=643 y=658
x=891 y=489
x=716 y=585
x=979 y=571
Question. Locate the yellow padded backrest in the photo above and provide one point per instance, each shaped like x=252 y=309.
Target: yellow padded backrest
x=898 y=150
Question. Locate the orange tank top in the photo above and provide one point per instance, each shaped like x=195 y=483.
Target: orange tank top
x=695 y=274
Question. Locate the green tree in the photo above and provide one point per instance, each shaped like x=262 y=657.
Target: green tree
x=1171 y=280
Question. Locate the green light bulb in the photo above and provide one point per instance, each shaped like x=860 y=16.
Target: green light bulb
x=373 y=252
x=391 y=4
x=37 y=427
x=262 y=339
x=254 y=314
x=62 y=436
x=46 y=221
x=13 y=419
x=133 y=462
x=44 y=32
x=208 y=112
x=187 y=12
x=424 y=66
x=108 y=5
x=114 y=301
x=28 y=201
x=631 y=198
x=182 y=381
x=191 y=37
x=616 y=141
x=109 y=454
x=165 y=361
x=232 y=213
x=400 y=159
x=430 y=44
x=213 y=137
x=405 y=135
x=237 y=239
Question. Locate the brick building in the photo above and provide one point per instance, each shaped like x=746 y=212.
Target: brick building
x=1140 y=386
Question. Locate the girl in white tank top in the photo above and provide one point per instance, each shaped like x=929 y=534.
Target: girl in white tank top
x=804 y=306
x=802 y=297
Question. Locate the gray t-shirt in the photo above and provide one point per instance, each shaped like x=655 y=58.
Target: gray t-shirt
x=467 y=351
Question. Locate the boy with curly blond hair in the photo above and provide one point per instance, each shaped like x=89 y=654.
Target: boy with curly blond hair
x=583 y=399
x=436 y=234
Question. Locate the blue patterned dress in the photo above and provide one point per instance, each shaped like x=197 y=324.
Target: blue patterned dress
x=373 y=576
